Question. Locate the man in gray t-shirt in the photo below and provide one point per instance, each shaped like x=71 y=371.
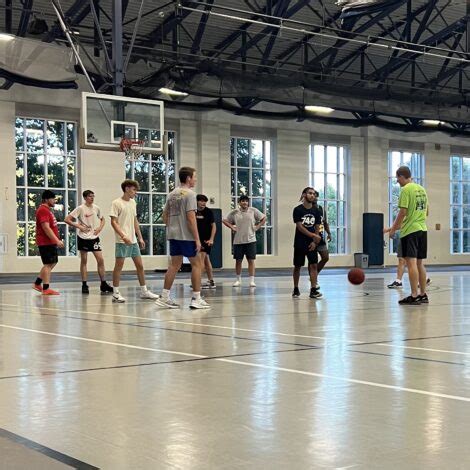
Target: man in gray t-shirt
x=244 y=222
x=179 y=215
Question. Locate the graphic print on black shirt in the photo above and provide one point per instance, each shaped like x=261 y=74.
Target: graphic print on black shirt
x=205 y=219
x=309 y=218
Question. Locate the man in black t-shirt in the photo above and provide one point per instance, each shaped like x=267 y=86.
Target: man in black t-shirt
x=307 y=221
x=207 y=229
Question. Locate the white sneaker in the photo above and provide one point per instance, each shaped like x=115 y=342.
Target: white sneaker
x=149 y=295
x=118 y=298
x=252 y=284
x=168 y=303
x=199 y=303
x=317 y=286
x=237 y=284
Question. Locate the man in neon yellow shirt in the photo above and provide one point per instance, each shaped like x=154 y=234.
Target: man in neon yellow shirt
x=411 y=221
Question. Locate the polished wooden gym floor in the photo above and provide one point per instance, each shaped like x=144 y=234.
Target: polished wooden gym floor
x=261 y=380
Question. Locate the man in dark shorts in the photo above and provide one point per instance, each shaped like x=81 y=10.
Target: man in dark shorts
x=207 y=230
x=307 y=220
x=89 y=222
x=47 y=240
x=244 y=223
x=411 y=221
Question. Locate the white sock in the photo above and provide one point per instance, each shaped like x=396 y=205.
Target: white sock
x=115 y=290
x=196 y=295
x=166 y=294
x=252 y=279
x=398 y=280
x=239 y=278
x=143 y=289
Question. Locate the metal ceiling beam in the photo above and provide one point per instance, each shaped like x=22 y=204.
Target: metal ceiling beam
x=8 y=16
x=201 y=28
x=24 y=19
x=74 y=15
x=397 y=62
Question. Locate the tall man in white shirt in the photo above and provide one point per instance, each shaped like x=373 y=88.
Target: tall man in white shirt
x=89 y=222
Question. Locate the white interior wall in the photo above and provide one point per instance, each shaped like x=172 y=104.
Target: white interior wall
x=203 y=142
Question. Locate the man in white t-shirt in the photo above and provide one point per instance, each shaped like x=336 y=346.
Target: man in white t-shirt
x=89 y=222
x=125 y=224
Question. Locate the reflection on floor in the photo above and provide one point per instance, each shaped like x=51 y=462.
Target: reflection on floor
x=352 y=380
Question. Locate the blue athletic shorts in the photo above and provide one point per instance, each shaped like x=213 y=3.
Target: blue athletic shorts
x=183 y=248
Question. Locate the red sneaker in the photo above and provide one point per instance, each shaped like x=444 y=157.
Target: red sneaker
x=50 y=292
x=37 y=287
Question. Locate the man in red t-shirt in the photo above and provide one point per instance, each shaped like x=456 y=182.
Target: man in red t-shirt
x=47 y=239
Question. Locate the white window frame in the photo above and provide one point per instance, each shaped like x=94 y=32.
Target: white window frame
x=460 y=207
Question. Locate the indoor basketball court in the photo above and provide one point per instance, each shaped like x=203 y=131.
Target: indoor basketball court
x=328 y=141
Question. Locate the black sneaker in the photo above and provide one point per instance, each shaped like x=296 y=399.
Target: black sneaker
x=315 y=293
x=105 y=288
x=296 y=292
x=423 y=298
x=428 y=281
x=395 y=285
x=85 y=290
x=410 y=300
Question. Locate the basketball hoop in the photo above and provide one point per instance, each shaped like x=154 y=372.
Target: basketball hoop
x=133 y=149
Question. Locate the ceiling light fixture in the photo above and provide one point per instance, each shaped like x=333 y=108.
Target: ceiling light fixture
x=169 y=91
x=431 y=122
x=6 y=37
x=319 y=109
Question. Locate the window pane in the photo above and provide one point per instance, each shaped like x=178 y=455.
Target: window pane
x=21 y=239
x=267 y=153
x=128 y=167
x=341 y=194
x=456 y=239
x=341 y=217
x=55 y=171
x=242 y=152
x=456 y=222
x=395 y=190
x=466 y=169
x=143 y=208
x=34 y=200
x=71 y=172
x=36 y=170
x=332 y=186
x=268 y=212
x=19 y=134
x=257 y=153
x=318 y=159
x=159 y=240
x=233 y=187
x=72 y=201
x=171 y=146
x=158 y=176
x=62 y=234
x=341 y=160
x=456 y=194
x=465 y=193
x=171 y=177
x=455 y=168
x=141 y=174
x=19 y=169
x=72 y=241
x=466 y=217
x=20 y=205
x=268 y=184
x=331 y=159
x=258 y=204
x=407 y=159
x=341 y=241
x=32 y=247
x=35 y=140
x=71 y=139
x=257 y=182
x=332 y=245
x=395 y=163
x=233 y=204
x=332 y=214
x=55 y=137
x=260 y=242
x=243 y=181
x=158 y=204
x=466 y=241
x=232 y=152
x=318 y=184
x=59 y=208
x=145 y=229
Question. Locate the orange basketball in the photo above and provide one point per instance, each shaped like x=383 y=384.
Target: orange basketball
x=356 y=276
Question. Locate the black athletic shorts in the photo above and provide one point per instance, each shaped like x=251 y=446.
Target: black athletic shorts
x=301 y=253
x=244 y=249
x=88 y=245
x=415 y=245
x=206 y=248
x=48 y=254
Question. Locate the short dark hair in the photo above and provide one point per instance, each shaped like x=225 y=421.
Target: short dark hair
x=201 y=197
x=87 y=192
x=243 y=197
x=404 y=171
x=47 y=194
x=185 y=173
x=129 y=184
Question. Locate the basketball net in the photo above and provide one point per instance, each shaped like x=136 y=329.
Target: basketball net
x=132 y=148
